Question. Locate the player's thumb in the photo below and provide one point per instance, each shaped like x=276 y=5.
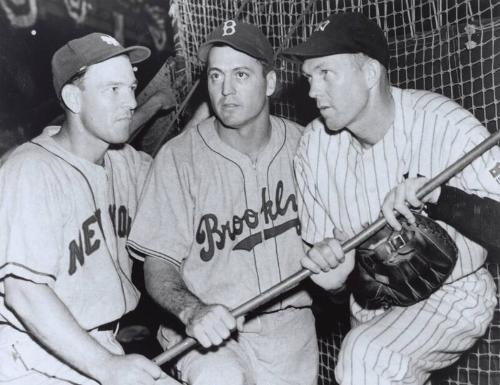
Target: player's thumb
x=240 y=321
x=340 y=235
x=151 y=368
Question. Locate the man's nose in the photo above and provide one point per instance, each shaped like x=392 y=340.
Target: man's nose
x=129 y=100
x=313 y=88
x=227 y=86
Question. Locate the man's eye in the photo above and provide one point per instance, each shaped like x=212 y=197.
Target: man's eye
x=241 y=75
x=214 y=76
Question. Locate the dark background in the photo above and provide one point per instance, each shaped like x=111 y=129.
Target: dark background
x=27 y=99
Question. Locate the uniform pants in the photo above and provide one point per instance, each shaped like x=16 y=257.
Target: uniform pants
x=274 y=349
x=25 y=362
x=402 y=345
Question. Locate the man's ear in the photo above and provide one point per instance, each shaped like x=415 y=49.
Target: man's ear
x=373 y=71
x=271 y=80
x=70 y=95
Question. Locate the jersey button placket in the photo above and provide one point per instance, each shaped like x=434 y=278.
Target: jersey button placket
x=361 y=192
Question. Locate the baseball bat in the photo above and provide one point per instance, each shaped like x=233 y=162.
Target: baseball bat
x=348 y=245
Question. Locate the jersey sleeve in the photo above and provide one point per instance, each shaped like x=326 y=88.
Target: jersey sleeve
x=31 y=220
x=138 y=163
x=143 y=165
x=162 y=226
x=315 y=221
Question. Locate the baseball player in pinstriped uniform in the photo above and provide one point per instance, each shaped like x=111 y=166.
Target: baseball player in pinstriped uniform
x=369 y=137
x=66 y=202
x=218 y=225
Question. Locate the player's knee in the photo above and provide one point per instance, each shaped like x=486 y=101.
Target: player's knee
x=224 y=373
x=356 y=344
x=363 y=354
x=353 y=357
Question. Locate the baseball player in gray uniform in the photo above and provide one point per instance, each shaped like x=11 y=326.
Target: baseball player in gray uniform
x=66 y=202
x=369 y=138
x=217 y=225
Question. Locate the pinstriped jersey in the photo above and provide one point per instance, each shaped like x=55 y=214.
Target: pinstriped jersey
x=343 y=185
x=66 y=221
x=229 y=225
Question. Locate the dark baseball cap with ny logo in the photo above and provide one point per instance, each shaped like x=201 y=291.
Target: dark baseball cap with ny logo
x=343 y=33
x=78 y=54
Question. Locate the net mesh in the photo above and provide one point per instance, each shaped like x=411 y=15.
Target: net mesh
x=447 y=46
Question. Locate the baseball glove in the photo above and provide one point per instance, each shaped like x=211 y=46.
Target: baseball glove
x=400 y=268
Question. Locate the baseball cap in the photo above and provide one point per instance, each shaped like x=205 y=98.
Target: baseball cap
x=78 y=54
x=243 y=37
x=343 y=33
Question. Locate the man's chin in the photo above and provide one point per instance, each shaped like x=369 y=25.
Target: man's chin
x=331 y=125
x=230 y=121
x=120 y=137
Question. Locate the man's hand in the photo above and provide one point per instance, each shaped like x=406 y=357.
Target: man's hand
x=165 y=99
x=210 y=325
x=132 y=369
x=160 y=100
x=328 y=263
x=48 y=320
x=402 y=197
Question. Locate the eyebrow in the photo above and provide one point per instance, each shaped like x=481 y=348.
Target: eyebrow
x=316 y=66
x=232 y=69
x=115 y=82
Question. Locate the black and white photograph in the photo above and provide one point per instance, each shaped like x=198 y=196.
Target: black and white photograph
x=249 y=192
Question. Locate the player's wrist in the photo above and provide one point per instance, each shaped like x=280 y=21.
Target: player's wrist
x=328 y=281
x=337 y=290
x=434 y=195
x=99 y=365
x=187 y=314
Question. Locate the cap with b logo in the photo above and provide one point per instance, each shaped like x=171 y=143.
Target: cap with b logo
x=78 y=54
x=343 y=33
x=243 y=37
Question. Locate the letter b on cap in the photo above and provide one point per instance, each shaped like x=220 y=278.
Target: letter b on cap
x=229 y=28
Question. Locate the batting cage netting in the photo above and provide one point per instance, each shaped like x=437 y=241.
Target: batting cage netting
x=447 y=46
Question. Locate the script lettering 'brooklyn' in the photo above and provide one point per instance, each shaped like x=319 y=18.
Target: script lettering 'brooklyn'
x=212 y=234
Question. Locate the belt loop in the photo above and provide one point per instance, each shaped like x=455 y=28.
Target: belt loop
x=112 y=326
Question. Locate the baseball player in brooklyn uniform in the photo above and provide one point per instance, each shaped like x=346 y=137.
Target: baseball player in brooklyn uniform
x=66 y=202
x=218 y=225
x=369 y=138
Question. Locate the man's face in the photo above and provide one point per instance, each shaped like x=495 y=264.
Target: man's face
x=237 y=86
x=338 y=85
x=108 y=100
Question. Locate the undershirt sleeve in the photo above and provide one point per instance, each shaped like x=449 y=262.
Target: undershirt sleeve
x=475 y=217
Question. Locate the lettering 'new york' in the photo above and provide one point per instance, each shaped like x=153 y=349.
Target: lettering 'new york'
x=88 y=243
x=212 y=236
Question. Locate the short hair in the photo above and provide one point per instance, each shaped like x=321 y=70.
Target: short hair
x=359 y=60
x=266 y=67
x=76 y=80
